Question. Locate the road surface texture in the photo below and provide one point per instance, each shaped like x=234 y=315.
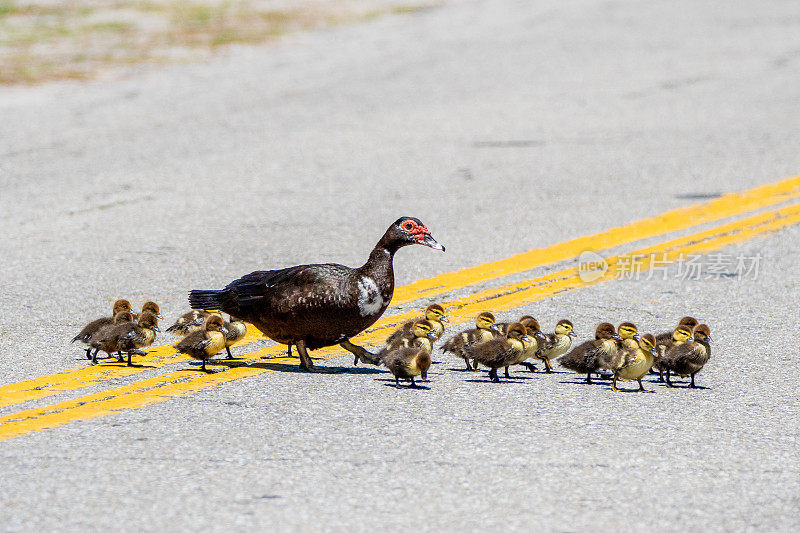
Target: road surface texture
x=505 y=126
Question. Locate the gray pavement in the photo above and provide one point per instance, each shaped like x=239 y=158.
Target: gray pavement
x=504 y=126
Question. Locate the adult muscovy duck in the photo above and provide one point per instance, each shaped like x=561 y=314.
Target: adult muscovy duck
x=313 y=306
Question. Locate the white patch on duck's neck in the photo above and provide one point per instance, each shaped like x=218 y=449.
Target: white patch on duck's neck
x=370 y=300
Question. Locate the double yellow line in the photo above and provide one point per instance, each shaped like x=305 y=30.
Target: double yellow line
x=502 y=298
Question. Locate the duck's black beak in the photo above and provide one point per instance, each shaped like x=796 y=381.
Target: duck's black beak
x=430 y=242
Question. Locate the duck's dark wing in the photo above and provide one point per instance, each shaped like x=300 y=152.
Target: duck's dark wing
x=278 y=290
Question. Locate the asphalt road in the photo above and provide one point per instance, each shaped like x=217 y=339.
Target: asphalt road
x=504 y=126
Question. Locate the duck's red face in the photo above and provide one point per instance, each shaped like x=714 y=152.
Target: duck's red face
x=416 y=232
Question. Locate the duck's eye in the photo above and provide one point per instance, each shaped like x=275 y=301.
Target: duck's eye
x=408 y=225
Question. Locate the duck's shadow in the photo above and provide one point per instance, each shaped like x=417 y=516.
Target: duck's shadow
x=287 y=367
x=404 y=386
x=487 y=380
x=117 y=364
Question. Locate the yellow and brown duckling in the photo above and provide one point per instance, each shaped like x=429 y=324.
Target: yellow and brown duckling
x=680 y=335
x=689 y=358
x=407 y=363
x=423 y=333
x=235 y=331
x=534 y=331
x=404 y=335
x=94 y=326
x=189 y=322
x=586 y=357
x=407 y=359
x=664 y=340
x=483 y=331
x=501 y=352
x=131 y=337
x=555 y=344
x=634 y=363
x=205 y=343
x=104 y=341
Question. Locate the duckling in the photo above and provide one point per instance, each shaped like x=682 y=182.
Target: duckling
x=236 y=329
x=502 y=327
x=95 y=325
x=556 y=344
x=130 y=337
x=205 y=343
x=434 y=314
x=499 y=352
x=665 y=339
x=689 y=358
x=189 y=322
x=534 y=331
x=585 y=358
x=101 y=340
x=423 y=334
x=153 y=308
x=635 y=363
x=485 y=330
x=407 y=363
x=679 y=336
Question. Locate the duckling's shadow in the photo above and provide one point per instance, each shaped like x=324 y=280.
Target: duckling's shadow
x=502 y=380
x=405 y=387
x=117 y=364
x=288 y=367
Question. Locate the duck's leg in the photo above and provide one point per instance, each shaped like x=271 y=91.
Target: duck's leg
x=89 y=353
x=692 y=385
x=614 y=384
x=493 y=375
x=530 y=366
x=130 y=355
x=397 y=382
x=507 y=374
x=669 y=383
x=641 y=387
x=94 y=356
x=120 y=359
x=358 y=351
x=466 y=360
x=547 y=366
x=307 y=364
x=413 y=385
x=230 y=355
x=661 y=376
x=589 y=378
x=474 y=364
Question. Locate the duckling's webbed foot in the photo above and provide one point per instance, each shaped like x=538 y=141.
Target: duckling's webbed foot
x=589 y=378
x=529 y=366
x=547 y=366
x=641 y=387
x=691 y=384
x=413 y=385
x=120 y=358
x=507 y=374
x=469 y=366
x=359 y=352
x=493 y=376
x=230 y=355
x=669 y=383
x=89 y=354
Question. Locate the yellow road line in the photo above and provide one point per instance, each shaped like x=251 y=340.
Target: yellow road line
x=726 y=206
x=504 y=298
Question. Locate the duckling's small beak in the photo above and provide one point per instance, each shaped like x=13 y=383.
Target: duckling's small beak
x=493 y=328
x=424 y=376
x=636 y=336
x=655 y=352
x=444 y=319
x=432 y=334
x=525 y=338
x=539 y=334
x=616 y=337
x=690 y=339
x=709 y=339
x=223 y=330
x=159 y=316
x=156 y=328
x=572 y=334
x=430 y=242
